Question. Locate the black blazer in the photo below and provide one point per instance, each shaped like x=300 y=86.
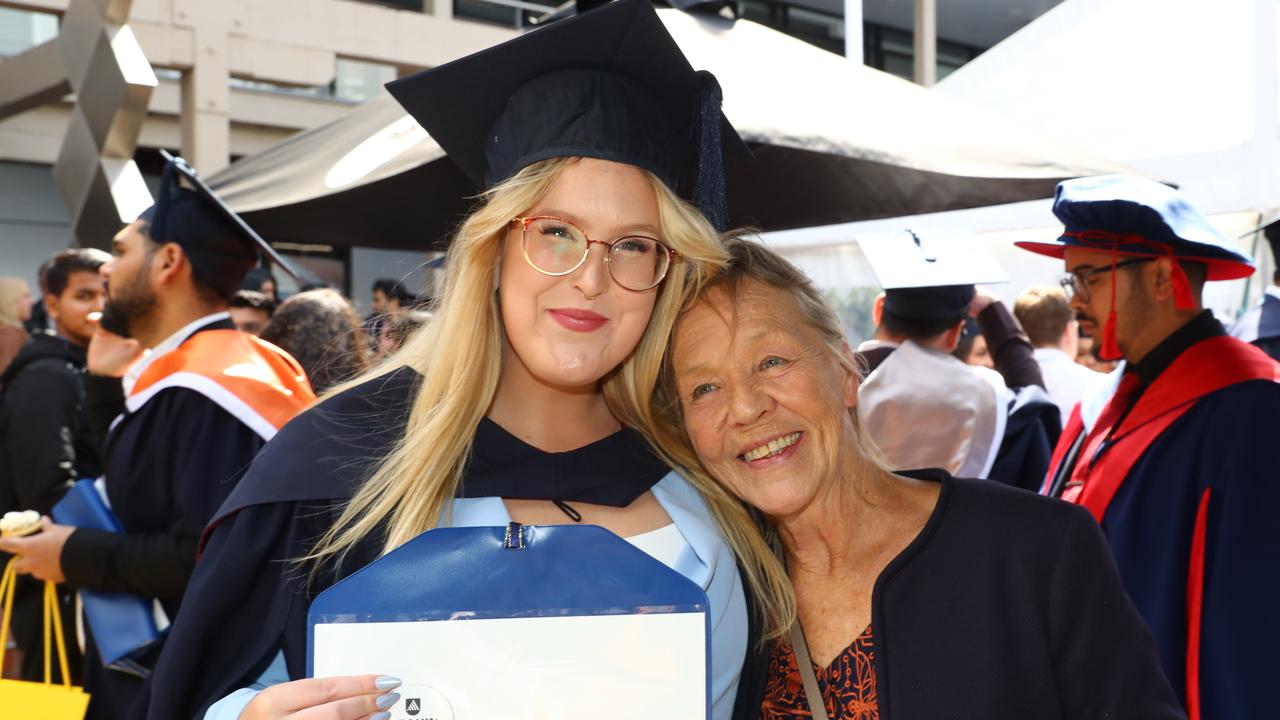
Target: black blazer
x=1007 y=605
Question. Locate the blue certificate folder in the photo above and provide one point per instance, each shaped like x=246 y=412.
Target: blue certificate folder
x=458 y=575
x=123 y=625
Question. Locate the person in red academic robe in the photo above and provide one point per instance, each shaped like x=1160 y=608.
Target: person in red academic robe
x=1178 y=468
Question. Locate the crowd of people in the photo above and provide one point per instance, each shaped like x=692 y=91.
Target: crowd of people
x=1054 y=510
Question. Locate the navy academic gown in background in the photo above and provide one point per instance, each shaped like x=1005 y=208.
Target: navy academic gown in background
x=169 y=466
x=1222 y=453
x=247 y=601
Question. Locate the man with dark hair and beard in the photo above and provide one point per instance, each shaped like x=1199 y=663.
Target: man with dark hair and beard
x=1179 y=466
x=199 y=399
x=45 y=439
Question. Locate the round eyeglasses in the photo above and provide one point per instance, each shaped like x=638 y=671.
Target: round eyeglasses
x=555 y=246
x=1077 y=283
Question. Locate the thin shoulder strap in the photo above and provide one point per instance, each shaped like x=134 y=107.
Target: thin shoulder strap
x=812 y=693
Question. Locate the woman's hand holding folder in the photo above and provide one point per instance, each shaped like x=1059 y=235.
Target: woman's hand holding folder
x=352 y=697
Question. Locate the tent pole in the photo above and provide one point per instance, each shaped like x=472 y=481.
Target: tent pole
x=926 y=42
x=853 y=49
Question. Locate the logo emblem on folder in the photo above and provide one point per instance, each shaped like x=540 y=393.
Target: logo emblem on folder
x=425 y=703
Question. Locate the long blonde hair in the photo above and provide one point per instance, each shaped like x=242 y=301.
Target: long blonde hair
x=11 y=288
x=459 y=355
x=765 y=574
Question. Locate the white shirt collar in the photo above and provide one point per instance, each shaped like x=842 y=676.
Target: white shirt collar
x=875 y=344
x=1051 y=355
x=168 y=345
x=1273 y=290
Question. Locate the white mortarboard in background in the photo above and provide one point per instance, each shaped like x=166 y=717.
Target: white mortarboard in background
x=910 y=259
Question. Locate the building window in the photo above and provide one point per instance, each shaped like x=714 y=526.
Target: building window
x=822 y=29
x=884 y=48
x=360 y=81
x=815 y=27
x=21 y=30
x=415 y=5
x=507 y=13
x=889 y=49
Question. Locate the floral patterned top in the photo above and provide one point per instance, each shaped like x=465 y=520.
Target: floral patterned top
x=848 y=684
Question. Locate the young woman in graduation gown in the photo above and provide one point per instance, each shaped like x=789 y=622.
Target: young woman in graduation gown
x=518 y=400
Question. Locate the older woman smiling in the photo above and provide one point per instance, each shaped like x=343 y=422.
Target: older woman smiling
x=920 y=595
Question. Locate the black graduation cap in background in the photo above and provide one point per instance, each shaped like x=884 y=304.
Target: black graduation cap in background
x=610 y=83
x=221 y=246
x=1271 y=231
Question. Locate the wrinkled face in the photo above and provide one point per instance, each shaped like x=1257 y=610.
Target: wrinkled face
x=130 y=296
x=1133 y=310
x=250 y=320
x=569 y=331
x=86 y=292
x=766 y=402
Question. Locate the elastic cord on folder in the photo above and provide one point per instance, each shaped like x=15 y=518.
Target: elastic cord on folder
x=514 y=539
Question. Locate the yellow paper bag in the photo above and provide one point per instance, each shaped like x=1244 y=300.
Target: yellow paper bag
x=33 y=700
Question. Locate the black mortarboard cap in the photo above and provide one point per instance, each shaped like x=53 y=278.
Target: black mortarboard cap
x=929 y=303
x=222 y=248
x=610 y=83
x=1271 y=231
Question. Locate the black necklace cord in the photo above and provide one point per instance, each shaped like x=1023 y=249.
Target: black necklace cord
x=567 y=509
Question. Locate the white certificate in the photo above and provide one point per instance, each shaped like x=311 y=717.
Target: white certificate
x=640 y=666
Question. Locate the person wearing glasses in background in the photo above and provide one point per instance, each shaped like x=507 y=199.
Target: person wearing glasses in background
x=1179 y=466
x=520 y=399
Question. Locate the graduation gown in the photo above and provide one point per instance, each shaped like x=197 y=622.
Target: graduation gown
x=247 y=602
x=924 y=406
x=170 y=462
x=1028 y=426
x=1179 y=469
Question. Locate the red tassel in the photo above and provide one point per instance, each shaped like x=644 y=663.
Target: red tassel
x=1182 y=299
x=1110 y=348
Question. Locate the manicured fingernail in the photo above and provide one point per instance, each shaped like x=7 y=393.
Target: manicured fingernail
x=380 y=716
x=387 y=700
x=386 y=682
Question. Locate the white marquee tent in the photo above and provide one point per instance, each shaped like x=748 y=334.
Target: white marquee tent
x=1185 y=91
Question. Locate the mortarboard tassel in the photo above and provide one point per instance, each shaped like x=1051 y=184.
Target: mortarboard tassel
x=1110 y=349
x=708 y=187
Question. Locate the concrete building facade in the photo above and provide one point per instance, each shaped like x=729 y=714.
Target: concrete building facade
x=235 y=77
